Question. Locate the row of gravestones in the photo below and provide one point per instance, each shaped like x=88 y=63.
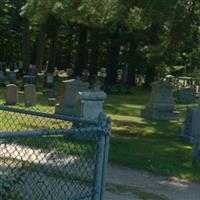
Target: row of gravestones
x=75 y=100
x=29 y=94
x=12 y=78
x=161 y=107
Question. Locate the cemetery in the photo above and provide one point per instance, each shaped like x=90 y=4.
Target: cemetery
x=99 y=100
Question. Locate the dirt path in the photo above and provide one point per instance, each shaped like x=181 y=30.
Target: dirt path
x=128 y=184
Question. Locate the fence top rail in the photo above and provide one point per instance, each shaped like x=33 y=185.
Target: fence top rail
x=44 y=132
x=48 y=115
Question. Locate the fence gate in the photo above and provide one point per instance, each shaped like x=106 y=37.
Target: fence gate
x=52 y=157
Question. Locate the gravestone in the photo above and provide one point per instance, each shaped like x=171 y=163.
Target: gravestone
x=51 y=101
x=90 y=104
x=49 y=85
x=11 y=94
x=29 y=80
x=32 y=71
x=2 y=78
x=67 y=102
x=189 y=129
x=12 y=77
x=186 y=95
x=30 y=95
x=196 y=139
x=161 y=105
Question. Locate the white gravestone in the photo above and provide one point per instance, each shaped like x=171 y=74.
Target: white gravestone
x=90 y=104
x=67 y=102
x=30 y=95
x=11 y=94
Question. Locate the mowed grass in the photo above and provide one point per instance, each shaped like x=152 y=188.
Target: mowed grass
x=148 y=145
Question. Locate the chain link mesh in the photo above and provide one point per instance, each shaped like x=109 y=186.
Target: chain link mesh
x=52 y=165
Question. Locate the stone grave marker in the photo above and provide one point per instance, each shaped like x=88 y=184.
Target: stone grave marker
x=90 y=104
x=30 y=95
x=196 y=140
x=51 y=101
x=29 y=80
x=11 y=94
x=186 y=95
x=49 y=86
x=12 y=77
x=189 y=128
x=161 y=105
x=67 y=102
x=32 y=71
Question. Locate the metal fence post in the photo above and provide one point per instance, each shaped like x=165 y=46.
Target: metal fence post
x=98 y=170
x=196 y=145
x=102 y=161
x=106 y=154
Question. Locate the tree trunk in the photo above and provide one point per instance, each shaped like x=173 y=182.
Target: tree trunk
x=130 y=82
x=68 y=58
x=153 y=40
x=40 y=48
x=53 y=50
x=94 y=55
x=26 y=44
x=113 y=59
x=82 y=52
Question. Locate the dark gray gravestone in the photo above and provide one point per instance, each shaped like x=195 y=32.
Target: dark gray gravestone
x=187 y=95
x=49 y=82
x=49 y=86
x=196 y=143
x=12 y=77
x=29 y=80
x=32 y=72
x=189 y=129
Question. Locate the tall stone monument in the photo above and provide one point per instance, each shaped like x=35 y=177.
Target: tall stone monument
x=90 y=104
x=67 y=103
x=161 y=105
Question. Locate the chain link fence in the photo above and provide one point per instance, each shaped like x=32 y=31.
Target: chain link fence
x=44 y=156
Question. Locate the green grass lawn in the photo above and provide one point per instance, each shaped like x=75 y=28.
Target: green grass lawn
x=148 y=145
x=153 y=146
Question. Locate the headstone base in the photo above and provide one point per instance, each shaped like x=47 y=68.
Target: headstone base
x=65 y=110
x=159 y=115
